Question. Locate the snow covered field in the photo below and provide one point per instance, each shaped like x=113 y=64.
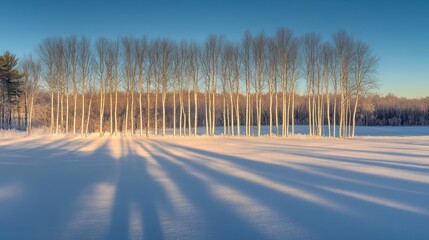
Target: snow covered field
x=214 y=188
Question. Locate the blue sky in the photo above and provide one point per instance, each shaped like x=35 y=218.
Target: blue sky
x=397 y=31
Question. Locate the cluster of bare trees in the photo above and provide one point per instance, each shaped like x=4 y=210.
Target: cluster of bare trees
x=163 y=82
x=32 y=70
x=344 y=69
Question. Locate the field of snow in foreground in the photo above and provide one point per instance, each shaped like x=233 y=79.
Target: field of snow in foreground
x=213 y=188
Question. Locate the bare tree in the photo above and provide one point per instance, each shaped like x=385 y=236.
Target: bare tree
x=32 y=70
x=327 y=72
x=259 y=58
x=59 y=80
x=344 y=50
x=236 y=84
x=46 y=53
x=284 y=38
x=151 y=71
x=91 y=90
x=25 y=67
x=67 y=72
x=311 y=47
x=247 y=62
x=141 y=49
x=194 y=56
x=156 y=74
x=210 y=62
x=230 y=73
x=334 y=76
x=272 y=82
x=130 y=74
x=179 y=59
x=166 y=50
x=36 y=69
x=188 y=61
x=101 y=46
x=113 y=66
x=84 y=59
x=365 y=67
x=110 y=81
x=72 y=55
x=294 y=75
x=226 y=72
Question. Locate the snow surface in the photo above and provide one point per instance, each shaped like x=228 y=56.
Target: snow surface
x=303 y=130
x=61 y=187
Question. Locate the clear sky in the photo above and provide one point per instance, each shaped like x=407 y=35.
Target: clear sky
x=397 y=31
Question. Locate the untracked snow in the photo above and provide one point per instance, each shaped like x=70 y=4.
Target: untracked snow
x=213 y=188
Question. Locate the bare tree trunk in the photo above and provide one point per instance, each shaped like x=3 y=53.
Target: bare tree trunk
x=74 y=111
x=214 y=108
x=163 y=112
x=141 y=109
x=111 y=108
x=260 y=115
x=52 y=112
x=29 y=127
x=126 y=115
x=189 y=107
x=209 y=113
x=340 y=130
x=61 y=109
x=82 y=129
x=89 y=116
x=184 y=122
x=58 y=113
x=67 y=113
x=156 y=114
x=276 y=101
x=237 y=113
x=101 y=106
x=148 y=107
x=195 y=107
x=224 y=115
x=180 y=109
x=271 y=114
x=132 y=112
x=257 y=111
x=174 y=113
x=288 y=112
x=116 y=106
x=247 y=111
x=354 y=115
x=232 y=113
x=284 y=113
x=293 y=113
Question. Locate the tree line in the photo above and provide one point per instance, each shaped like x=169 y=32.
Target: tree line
x=141 y=86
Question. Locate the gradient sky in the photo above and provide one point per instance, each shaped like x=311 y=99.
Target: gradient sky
x=398 y=32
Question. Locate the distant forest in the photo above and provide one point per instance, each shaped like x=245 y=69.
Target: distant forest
x=136 y=86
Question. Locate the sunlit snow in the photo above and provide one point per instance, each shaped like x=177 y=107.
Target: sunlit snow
x=63 y=187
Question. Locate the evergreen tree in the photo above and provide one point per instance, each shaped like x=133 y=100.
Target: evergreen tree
x=10 y=89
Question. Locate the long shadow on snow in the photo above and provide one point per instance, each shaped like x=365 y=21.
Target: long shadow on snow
x=136 y=190
x=281 y=173
x=220 y=220
x=285 y=205
x=50 y=191
x=295 y=208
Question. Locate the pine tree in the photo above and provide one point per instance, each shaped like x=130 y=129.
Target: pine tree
x=10 y=88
